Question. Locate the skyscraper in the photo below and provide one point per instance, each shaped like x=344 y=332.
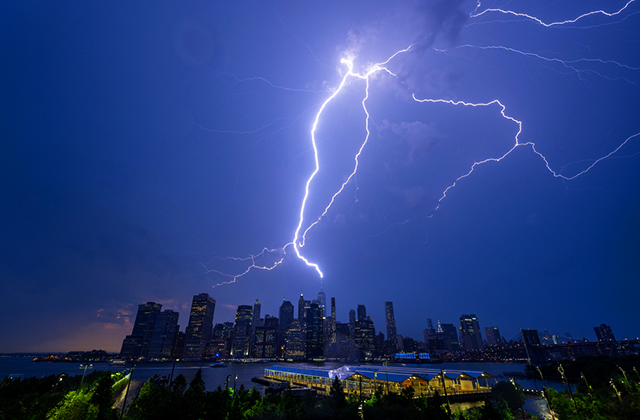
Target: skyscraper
x=493 y=335
x=164 y=335
x=294 y=348
x=322 y=299
x=470 y=335
x=286 y=315
x=266 y=339
x=241 y=330
x=303 y=305
x=604 y=333
x=333 y=320
x=286 y=318
x=450 y=337
x=198 y=332
x=313 y=340
x=352 y=322
x=364 y=337
x=392 y=333
x=137 y=344
x=257 y=308
x=362 y=313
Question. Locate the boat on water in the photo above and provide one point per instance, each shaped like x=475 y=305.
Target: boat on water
x=218 y=365
x=117 y=363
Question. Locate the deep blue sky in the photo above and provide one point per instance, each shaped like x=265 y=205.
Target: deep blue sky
x=140 y=144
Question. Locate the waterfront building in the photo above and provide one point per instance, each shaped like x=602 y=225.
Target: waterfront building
x=391 y=326
x=218 y=348
x=365 y=380
x=604 y=333
x=164 y=335
x=470 y=335
x=241 y=331
x=198 y=331
x=303 y=306
x=137 y=344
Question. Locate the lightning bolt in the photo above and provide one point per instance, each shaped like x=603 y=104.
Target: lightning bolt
x=548 y=25
x=298 y=241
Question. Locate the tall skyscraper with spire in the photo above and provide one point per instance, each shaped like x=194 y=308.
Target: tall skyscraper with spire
x=322 y=299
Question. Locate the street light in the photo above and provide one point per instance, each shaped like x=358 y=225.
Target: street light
x=566 y=383
x=544 y=393
x=587 y=384
x=85 y=367
x=520 y=403
x=126 y=393
x=60 y=377
x=444 y=385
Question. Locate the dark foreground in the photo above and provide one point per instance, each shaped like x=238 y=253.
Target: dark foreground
x=100 y=395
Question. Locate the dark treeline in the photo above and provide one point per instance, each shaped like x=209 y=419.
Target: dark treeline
x=609 y=388
x=61 y=397
x=179 y=401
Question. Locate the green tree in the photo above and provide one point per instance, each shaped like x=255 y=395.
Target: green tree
x=75 y=406
x=102 y=398
x=506 y=391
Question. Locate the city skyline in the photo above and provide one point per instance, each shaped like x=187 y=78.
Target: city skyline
x=155 y=151
x=468 y=332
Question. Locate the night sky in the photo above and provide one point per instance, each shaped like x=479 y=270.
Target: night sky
x=142 y=145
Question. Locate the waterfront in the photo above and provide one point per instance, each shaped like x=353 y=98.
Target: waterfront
x=23 y=367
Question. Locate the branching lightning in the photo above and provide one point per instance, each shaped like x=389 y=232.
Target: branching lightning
x=298 y=241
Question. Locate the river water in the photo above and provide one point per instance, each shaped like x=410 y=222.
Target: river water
x=23 y=367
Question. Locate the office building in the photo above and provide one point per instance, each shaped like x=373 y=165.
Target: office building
x=198 y=331
x=241 y=331
x=391 y=326
x=493 y=335
x=362 y=313
x=364 y=337
x=137 y=344
x=286 y=318
x=294 y=348
x=470 y=335
x=257 y=308
x=322 y=300
x=164 y=335
x=314 y=343
x=266 y=339
x=604 y=333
